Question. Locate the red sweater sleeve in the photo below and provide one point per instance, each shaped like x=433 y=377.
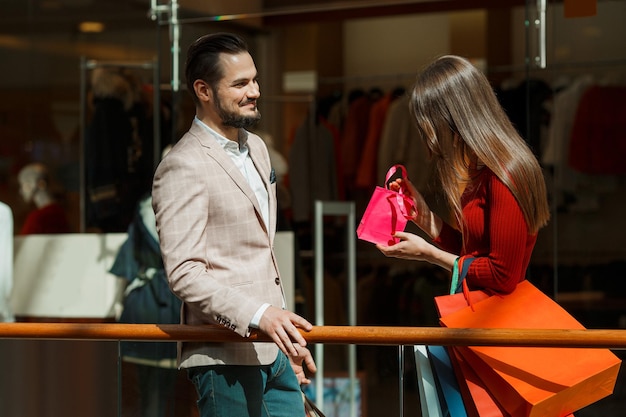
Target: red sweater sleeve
x=496 y=236
x=449 y=239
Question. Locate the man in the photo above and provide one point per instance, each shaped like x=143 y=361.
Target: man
x=214 y=196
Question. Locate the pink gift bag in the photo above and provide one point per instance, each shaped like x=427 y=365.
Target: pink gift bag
x=387 y=212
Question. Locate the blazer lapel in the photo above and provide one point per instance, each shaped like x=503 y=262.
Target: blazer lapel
x=215 y=151
x=264 y=168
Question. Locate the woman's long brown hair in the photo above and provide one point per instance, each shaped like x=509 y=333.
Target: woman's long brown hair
x=464 y=126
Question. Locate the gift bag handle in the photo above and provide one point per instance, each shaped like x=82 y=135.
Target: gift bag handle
x=403 y=200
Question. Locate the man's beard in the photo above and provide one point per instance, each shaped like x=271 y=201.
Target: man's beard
x=236 y=120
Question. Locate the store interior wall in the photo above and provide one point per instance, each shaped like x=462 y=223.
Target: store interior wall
x=394 y=45
x=399 y=46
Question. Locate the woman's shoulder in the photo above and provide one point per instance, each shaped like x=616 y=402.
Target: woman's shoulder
x=496 y=188
x=487 y=182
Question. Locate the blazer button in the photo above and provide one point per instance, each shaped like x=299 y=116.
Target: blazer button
x=277 y=281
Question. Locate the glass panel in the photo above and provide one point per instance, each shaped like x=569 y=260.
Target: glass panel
x=310 y=65
x=586 y=72
x=58 y=378
x=346 y=55
x=150 y=383
x=582 y=253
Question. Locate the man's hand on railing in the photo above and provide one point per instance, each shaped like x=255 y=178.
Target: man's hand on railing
x=282 y=326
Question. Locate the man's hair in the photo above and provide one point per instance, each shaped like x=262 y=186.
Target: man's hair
x=203 y=58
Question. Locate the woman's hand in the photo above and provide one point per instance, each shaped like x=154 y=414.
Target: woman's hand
x=416 y=248
x=421 y=215
x=303 y=359
x=410 y=246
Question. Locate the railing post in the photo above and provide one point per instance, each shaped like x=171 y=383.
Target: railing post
x=401 y=378
x=337 y=209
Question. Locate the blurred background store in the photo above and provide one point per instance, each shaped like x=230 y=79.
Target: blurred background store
x=559 y=68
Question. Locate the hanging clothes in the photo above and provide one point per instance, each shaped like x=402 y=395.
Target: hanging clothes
x=353 y=139
x=556 y=152
x=312 y=168
x=598 y=141
x=565 y=103
x=367 y=167
x=524 y=105
x=400 y=144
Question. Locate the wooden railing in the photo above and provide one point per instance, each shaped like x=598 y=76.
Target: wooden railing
x=359 y=335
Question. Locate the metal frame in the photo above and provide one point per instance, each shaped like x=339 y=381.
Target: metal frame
x=334 y=208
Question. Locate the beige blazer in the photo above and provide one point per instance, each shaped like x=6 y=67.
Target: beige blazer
x=217 y=251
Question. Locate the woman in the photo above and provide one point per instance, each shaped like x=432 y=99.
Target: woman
x=491 y=180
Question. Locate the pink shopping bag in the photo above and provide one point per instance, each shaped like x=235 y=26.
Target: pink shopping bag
x=387 y=212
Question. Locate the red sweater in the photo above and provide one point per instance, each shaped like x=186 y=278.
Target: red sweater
x=497 y=236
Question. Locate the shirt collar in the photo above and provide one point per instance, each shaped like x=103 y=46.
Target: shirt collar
x=225 y=143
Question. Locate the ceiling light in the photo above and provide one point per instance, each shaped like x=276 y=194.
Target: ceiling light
x=91 y=27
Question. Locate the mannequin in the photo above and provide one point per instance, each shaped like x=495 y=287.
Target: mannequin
x=48 y=216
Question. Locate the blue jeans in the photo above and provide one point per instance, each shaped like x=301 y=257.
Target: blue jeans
x=248 y=391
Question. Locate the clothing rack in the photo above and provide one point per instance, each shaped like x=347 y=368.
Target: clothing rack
x=565 y=66
x=559 y=66
x=88 y=65
x=368 y=78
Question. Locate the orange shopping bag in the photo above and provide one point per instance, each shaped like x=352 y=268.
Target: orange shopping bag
x=528 y=381
x=477 y=399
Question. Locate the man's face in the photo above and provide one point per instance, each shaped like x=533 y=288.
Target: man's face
x=235 y=97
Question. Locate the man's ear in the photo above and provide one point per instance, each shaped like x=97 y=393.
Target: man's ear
x=203 y=92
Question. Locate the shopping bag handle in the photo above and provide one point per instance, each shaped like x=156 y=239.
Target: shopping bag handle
x=406 y=204
x=457 y=275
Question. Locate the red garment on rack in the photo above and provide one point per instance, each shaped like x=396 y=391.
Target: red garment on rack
x=598 y=139
x=353 y=139
x=368 y=164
